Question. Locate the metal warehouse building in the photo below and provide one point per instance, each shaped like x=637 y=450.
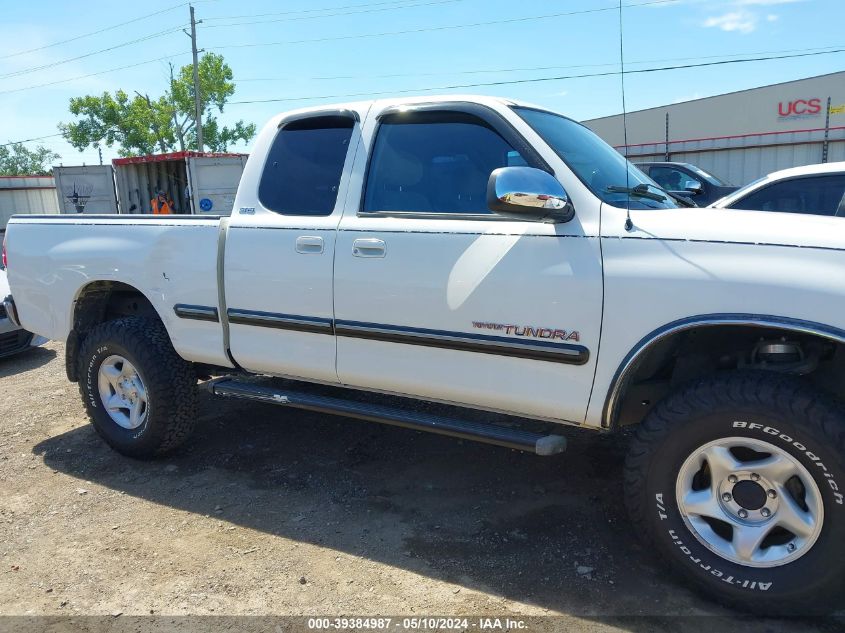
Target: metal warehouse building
x=740 y=136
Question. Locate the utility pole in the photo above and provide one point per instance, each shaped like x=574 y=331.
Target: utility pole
x=197 y=107
x=100 y=152
x=826 y=142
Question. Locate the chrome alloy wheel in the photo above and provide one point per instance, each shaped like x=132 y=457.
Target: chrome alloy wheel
x=122 y=392
x=750 y=502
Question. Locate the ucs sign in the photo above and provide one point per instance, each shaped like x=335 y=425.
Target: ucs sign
x=800 y=107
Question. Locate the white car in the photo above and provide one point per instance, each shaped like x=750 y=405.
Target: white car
x=499 y=257
x=13 y=338
x=810 y=189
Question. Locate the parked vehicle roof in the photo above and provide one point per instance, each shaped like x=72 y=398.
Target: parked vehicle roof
x=793 y=172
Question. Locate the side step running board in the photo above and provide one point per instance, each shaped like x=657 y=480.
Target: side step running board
x=453 y=427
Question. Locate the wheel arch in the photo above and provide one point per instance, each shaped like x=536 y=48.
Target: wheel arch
x=99 y=301
x=659 y=341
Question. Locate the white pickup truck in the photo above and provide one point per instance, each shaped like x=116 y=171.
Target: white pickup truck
x=495 y=256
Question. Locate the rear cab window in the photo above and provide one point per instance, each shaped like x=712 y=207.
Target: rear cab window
x=304 y=165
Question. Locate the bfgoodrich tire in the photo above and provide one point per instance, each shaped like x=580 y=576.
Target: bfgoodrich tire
x=738 y=481
x=139 y=394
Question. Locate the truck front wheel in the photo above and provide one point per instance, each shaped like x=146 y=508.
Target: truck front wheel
x=139 y=394
x=738 y=480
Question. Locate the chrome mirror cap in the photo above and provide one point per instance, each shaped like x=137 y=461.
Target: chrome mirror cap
x=526 y=193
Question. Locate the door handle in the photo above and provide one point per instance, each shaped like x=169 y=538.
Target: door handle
x=368 y=247
x=309 y=245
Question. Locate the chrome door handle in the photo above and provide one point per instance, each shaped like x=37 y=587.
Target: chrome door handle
x=368 y=247
x=309 y=245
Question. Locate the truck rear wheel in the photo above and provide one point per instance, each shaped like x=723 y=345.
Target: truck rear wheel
x=738 y=481
x=138 y=393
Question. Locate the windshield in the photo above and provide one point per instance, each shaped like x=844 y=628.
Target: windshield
x=600 y=167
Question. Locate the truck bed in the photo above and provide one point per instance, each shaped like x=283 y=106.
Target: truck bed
x=170 y=259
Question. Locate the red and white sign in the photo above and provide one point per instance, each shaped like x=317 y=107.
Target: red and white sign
x=800 y=108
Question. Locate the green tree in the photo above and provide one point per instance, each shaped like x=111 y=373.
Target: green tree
x=142 y=124
x=17 y=160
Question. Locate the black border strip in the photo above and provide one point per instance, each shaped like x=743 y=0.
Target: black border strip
x=196 y=313
x=497 y=345
x=501 y=346
x=280 y=321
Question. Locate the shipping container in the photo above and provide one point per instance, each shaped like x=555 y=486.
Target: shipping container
x=196 y=183
x=26 y=194
x=85 y=189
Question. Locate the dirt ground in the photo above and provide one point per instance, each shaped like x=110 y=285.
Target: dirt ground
x=270 y=511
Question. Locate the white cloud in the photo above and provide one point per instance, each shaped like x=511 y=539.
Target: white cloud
x=740 y=21
x=764 y=3
x=743 y=16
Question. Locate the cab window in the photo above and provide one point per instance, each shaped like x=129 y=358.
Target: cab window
x=669 y=178
x=434 y=163
x=304 y=166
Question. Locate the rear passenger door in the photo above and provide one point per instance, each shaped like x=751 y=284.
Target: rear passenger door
x=438 y=298
x=280 y=245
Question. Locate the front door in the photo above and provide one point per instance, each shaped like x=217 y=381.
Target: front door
x=436 y=297
x=280 y=246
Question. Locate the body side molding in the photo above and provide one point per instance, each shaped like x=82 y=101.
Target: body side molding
x=630 y=362
x=280 y=321
x=499 y=345
x=196 y=313
x=462 y=341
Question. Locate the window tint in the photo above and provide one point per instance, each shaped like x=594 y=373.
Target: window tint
x=435 y=164
x=669 y=178
x=819 y=195
x=303 y=167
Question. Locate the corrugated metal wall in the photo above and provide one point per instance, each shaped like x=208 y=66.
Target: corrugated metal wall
x=742 y=159
x=26 y=194
x=739 y=136
x=750 y=163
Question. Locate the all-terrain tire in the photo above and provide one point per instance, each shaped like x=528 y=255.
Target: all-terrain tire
x=169 y=381
x=797 y=422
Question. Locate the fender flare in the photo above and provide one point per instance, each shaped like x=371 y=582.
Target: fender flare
x=73 y=341
x=629 y=364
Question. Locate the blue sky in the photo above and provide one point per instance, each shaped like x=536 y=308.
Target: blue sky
x=529 y=39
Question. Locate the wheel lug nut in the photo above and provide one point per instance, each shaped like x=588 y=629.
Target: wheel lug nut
x=772 y=494
x=743 y=514
x=727 y=497
x=791 y=547
x=755 y=477
x=733 y=479
x=766 y=512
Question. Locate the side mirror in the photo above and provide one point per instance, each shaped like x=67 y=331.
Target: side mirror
x=694 y=187
x=526 y=193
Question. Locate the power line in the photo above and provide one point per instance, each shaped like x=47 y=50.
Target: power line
x=27 y=140
x=533 y=68
x=540 y=79
x=331 y=15
x=33 y=69
x=447 y=27
x=417 y=74
x=97 y=32
x=102 y=72
x=299 y=11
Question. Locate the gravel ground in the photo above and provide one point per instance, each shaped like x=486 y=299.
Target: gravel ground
x=279 y=512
